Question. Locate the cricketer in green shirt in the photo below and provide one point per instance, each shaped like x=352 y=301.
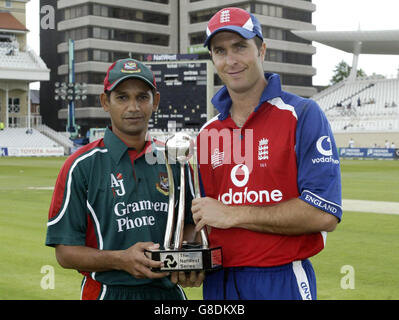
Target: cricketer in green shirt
x=109 y=197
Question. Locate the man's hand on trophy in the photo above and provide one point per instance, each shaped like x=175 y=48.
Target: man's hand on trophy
x=211 y=212
x=138 y=263
x=188 y=279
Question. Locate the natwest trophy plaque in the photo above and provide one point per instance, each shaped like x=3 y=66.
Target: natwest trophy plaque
x=179 y=256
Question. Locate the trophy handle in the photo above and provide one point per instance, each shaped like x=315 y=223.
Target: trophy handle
x=197 y=194
x=171 y=207
x=180 y=215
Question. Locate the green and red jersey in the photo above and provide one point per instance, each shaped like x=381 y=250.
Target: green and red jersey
x=109 y=197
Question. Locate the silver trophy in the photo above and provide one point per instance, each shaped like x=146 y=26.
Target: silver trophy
x=180 y=256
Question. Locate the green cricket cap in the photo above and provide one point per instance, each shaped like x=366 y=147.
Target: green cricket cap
x=125 y=69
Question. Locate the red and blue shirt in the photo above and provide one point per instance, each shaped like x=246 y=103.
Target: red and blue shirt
x=284 y=150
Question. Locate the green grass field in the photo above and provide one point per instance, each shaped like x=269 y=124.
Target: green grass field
x=366 y=242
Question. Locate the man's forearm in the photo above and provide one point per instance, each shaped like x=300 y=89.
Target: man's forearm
x=93 y=260
x=133 y=260
x=292 y=217
x=87 y=259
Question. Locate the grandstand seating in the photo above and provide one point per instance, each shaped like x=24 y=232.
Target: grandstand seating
x=19 y=59
x=370 y=104
x=61 y=138
x=22 y=138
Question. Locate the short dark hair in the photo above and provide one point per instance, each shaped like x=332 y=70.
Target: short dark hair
x=108 y=94
x=258 y=42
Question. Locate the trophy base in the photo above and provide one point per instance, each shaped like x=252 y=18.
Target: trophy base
x=191 y=257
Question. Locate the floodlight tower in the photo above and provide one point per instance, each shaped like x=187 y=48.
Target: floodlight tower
x=72 y=128
x=71 y=91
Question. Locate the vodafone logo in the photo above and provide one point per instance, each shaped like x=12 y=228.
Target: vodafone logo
x=324 y=147
x=240 y=175
x=321 y=146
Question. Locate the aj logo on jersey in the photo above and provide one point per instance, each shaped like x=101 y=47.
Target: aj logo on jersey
x=117 y=185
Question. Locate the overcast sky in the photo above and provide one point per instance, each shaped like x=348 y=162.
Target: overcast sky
x=330 y=15
x=348 y=15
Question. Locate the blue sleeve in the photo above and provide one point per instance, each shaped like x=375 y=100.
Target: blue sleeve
x=319 y=176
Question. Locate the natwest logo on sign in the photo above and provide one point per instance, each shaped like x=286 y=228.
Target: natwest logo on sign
x=239 y=176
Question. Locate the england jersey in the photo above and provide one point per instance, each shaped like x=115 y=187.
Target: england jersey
x=285 y=150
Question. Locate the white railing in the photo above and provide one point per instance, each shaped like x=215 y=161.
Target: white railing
x=59 y=137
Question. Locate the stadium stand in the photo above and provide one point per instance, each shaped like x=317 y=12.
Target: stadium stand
x=19 y=111
x=62 y=138
x=363 y=110
x=369 y=104
x=18 y=59
x=23 y=137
